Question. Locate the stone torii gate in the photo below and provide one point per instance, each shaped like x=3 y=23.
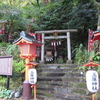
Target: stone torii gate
x=67 y=36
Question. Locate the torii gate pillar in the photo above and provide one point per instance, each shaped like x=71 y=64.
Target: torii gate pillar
x=42 y=49
x=68 y=48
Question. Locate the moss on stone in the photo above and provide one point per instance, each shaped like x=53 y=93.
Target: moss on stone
x=81 y=85
x=78 y=91
x=47 y=94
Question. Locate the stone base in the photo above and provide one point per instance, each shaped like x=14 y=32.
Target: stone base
x=69 y=61
x=41 y=62
x=27 y=90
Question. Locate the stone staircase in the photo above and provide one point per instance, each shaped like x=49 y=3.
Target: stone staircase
x=61 y=82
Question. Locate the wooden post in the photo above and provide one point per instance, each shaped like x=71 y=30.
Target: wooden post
x=34 y=86
x=27 y=91
x=27 y=68
x=34 y=91
x=7 y=83
x=93 y=98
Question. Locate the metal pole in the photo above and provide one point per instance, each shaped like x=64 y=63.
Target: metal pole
x=7 y=84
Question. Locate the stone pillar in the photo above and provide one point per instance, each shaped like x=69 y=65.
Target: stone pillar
x=68 y=48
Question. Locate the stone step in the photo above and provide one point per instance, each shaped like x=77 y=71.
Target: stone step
x=52 y=74
x=63 y=84
x=40 y=78
x=68 y=90
x=58 y=73
x=62 y=96
x=53 y=68
x=76 y=90
x=57 y=78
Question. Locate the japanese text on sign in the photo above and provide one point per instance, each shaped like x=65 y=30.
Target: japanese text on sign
x=32 y=76
x=92 y=81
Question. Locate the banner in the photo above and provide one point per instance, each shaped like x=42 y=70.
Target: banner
x=39 y=37
x=90 y=42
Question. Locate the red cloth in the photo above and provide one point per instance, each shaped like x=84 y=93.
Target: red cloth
x=54 y=44
x=39 y=37
x=33 y=34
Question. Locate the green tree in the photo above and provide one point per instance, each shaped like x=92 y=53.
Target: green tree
x=11 y=18
x=97 y=6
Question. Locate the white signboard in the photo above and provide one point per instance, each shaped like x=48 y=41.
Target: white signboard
x=92 y=81
x=32 y=76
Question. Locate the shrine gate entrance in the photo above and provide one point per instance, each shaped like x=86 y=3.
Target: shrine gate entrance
x=67 y=36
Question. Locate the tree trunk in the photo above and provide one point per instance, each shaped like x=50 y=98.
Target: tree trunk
x=98 y=26
x=5 y=38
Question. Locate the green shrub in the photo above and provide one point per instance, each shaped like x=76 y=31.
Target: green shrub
x=18 y=69
x=18 y=63
x=96 y=58
x=81 y=56
x=4 y=93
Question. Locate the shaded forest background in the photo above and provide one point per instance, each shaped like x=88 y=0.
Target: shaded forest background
x=49 y=15
x=16 y=15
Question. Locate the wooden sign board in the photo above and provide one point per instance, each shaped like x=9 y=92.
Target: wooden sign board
x=6 y=65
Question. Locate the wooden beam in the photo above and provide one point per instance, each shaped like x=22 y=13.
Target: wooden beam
x=58 y=31
x=52 y=37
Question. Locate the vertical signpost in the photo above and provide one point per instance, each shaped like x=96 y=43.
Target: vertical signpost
x=32 y=75
x=33 y=79
x=92 y=78
x=92 y=81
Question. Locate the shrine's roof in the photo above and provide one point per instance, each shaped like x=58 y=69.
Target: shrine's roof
x=31 y=63
x=96 y=35
x=91 y=63
x=27 y=37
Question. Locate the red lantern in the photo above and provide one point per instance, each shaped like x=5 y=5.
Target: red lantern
x=28 y=45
